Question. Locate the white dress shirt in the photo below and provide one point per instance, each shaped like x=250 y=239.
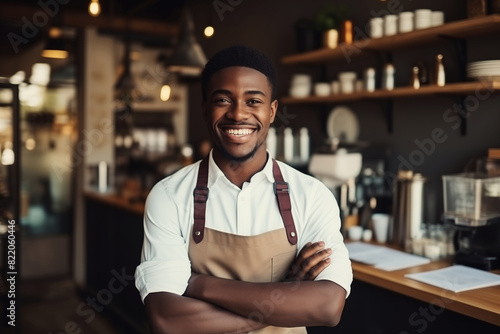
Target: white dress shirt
x=251 y=210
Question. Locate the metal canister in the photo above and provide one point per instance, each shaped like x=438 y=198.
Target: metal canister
x=408 y=208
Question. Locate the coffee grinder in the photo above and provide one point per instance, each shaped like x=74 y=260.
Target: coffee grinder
x=472 y=205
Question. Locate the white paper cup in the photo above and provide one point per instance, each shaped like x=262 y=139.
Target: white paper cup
x=381 y=226
x=355 y=233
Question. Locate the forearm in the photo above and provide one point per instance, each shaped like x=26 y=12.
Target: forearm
x=170 y=313
x=283 y=304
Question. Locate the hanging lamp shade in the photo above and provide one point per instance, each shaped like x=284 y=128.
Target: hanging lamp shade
x=188 y=57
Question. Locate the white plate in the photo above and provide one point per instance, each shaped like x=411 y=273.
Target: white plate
x=343 y=124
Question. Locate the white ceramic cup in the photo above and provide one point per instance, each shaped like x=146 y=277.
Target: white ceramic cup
x=367 y=235
x=300 y=90
x=376 y=27
x=381 y=226
x=322 y=89
x=355 y=232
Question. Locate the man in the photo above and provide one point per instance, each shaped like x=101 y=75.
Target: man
x=238 y=243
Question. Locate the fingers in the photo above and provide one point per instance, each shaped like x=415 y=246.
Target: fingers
x=311 y=260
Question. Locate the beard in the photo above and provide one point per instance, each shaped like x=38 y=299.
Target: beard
x=238 y=160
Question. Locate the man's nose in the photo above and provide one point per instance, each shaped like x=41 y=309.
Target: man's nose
x=238 y=112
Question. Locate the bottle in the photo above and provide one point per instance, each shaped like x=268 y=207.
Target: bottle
x=440 y=77
x=272 y=142
x=370 y=79
x=415 y=81
x=288 y=144
x=388 y=77
x=304 y=144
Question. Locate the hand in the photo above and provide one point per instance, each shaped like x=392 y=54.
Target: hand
x=313 y=258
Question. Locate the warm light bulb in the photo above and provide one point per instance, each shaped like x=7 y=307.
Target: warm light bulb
x=30 y=144
x=209 y=31
x=94 y=8
x=8 y=157
x=165 y=93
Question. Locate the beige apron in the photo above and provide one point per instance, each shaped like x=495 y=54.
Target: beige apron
x=260 y=258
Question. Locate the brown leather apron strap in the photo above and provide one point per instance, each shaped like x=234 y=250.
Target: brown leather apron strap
x=280 y=190
x=200 y=201
x=285 y=206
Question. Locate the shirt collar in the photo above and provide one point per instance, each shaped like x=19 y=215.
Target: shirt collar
x=215 y=173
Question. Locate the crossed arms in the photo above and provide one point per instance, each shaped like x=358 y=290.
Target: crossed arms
x=216 y=305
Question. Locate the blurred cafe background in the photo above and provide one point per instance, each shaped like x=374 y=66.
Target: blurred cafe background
x=393 y=104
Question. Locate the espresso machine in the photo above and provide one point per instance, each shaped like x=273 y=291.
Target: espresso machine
x=472 y=205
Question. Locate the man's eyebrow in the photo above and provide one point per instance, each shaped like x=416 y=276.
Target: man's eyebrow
x=221 y=91
x=255 y=92
x=228 y=92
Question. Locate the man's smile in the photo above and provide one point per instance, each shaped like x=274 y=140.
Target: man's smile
x=239 y=132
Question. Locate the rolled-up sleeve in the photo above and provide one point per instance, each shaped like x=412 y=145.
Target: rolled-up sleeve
x=324 y=225
x=165 y=265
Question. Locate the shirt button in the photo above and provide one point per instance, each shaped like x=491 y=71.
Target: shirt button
x=197 y=233
x=292 y=234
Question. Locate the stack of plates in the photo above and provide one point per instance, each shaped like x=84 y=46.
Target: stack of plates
x=485 y=70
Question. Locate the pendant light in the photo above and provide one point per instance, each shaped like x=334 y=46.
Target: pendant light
x=188 y=58
x=94 y=8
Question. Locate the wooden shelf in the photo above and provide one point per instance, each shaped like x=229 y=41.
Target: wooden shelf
x=463 y=29
x=461 y=88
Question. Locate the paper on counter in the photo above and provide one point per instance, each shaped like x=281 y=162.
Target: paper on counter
x=457 y=278
x=383 y=257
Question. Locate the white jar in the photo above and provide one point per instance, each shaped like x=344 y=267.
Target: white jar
x=390 y=25
x=423 y=18
x=437 y=18
x=405 y=22
x=347 y=81
x=376 y=27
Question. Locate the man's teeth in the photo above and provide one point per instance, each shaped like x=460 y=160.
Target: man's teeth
x=239 y=132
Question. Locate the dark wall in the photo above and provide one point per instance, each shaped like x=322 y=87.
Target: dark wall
x=268 y=26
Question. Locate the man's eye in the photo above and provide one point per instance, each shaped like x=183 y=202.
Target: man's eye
x=221 y=100
x=254 y=101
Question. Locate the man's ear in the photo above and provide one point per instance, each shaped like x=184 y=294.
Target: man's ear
x=274 y=108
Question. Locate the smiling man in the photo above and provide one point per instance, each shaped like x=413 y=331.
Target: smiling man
x=238 y=242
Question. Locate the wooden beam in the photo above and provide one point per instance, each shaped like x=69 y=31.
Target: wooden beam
x=71 y=18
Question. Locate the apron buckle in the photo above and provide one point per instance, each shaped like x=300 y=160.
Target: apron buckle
x=200 y=194
x=280 y=186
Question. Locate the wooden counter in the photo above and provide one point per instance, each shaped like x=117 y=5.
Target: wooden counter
x=482 y=304
x=117 y=201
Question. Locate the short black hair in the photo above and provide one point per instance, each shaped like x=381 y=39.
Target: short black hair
x=239 y=55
